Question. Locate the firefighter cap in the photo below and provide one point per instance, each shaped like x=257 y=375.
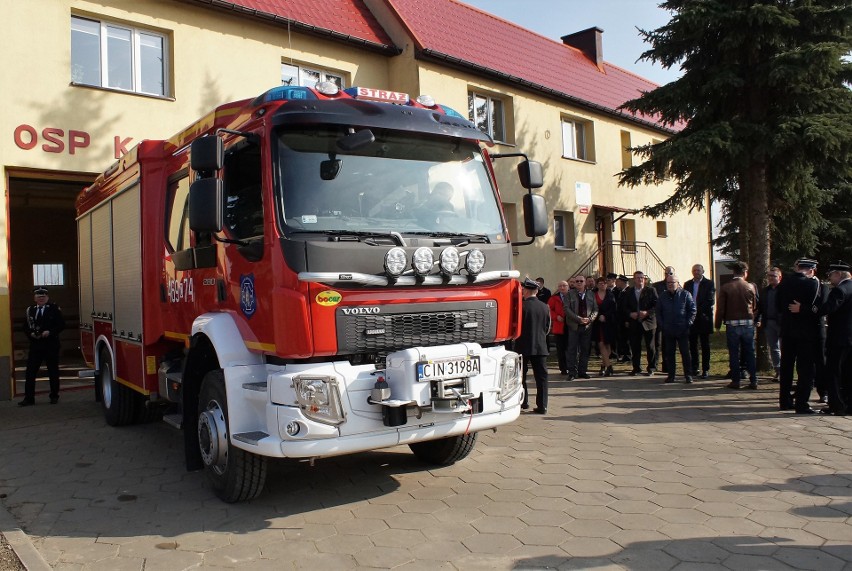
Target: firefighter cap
x=839 y=266
x=530 y=284
x=40 y=290
x=806 y=263
x=612 y=276
x=622 y=278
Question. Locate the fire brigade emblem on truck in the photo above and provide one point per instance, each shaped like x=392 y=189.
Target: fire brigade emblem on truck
x=248 y=300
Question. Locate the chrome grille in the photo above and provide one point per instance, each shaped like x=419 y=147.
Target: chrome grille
x=449 y=323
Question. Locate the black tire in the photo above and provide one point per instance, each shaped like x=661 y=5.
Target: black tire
x=234 y=474
x=117 y=400
x=444 y=451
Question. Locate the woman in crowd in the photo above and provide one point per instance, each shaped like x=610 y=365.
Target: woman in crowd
x=605 y=328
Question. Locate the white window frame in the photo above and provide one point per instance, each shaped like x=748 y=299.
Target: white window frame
x=303 y=75
x=575 y=139
x=564 y=230
x=136 y=35
x=489 y=119
x=48 y=274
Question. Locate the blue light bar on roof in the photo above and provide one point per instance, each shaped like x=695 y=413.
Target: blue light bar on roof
x=452 y=112
x=286 y=92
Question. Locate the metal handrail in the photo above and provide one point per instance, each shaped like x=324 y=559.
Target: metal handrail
x=625 y=257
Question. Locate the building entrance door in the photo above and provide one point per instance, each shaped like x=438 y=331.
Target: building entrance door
x=43 y=252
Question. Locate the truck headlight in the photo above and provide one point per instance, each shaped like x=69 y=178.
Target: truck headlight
x=395 y=261
x=319 y=398
x=422 y=261
x=510 y=377
x=449 y=260
x=475 y=261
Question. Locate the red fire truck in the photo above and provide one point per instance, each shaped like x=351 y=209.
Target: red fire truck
x=309 y=273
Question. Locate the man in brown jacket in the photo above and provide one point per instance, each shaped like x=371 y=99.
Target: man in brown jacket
x=736 y=306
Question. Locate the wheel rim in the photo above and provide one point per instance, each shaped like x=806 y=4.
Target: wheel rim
x=213 y=437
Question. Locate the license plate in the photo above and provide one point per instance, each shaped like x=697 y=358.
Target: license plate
x=448 y=369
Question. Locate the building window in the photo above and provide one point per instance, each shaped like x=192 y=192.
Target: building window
x=306 y=77
x=119 y=57
x=626 y=153
x=48 y=274
x=662 y=231
x=628 y=234
x=487 y=113
x=563 y=230
x=577 y=139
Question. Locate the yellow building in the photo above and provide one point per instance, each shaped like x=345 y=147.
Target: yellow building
x=84 y=81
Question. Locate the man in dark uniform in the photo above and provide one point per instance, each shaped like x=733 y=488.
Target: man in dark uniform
x=639 y=304
x=624 y=354
x=532 y=344
x=838 y=308
x=704 y=294
x=43 y=325
x=800 y=332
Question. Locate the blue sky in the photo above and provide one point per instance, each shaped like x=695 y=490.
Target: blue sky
x=619 y=19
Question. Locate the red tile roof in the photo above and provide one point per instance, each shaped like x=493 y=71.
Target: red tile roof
x=345 y=19
x=469 y=36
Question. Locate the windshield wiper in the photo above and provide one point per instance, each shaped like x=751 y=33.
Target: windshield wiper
x=480 y=238
x=356 y=235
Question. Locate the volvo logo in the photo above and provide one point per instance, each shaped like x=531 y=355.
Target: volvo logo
x=360 y=310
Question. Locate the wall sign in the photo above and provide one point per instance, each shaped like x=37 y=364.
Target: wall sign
x=56 y=140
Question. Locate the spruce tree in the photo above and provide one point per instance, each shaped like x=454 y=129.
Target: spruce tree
x=762 y=115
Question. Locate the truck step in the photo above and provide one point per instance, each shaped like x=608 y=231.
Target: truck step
x=174 y=420
x=86 y=373
x=251 y=437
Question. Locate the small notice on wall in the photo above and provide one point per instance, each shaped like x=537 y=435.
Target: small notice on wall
x=584 y=196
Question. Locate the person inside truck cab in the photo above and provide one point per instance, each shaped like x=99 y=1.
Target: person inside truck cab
x=438 y=203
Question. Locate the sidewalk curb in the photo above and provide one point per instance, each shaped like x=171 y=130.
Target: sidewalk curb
x=20 y=543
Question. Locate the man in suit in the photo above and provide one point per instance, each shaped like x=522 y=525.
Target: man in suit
x=675 y=315
x=660 y=287
x=768 y=318
x=557 y=324
x=543 y=294
x=43 y=326
x=624 y=353
x=838 y=308
x=704 y=294
x=737 y=306
x=532 y=344
x=581 y=309
x=800 y=334
x=639 y=304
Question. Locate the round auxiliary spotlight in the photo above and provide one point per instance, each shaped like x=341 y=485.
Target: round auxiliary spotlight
x=327 y=88
x=426 y=100
x=475 y=261
x=422 y=261
x=395 y=261
x=449 y=260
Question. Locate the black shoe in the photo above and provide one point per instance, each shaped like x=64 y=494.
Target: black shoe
x=635 y=372
x=733 y=385
x=648 y=373
x=563 y=372
x=27 y=402
x=608 y=372
x=752 y=386
x=583 y=376
x=786 y=407
x=704 y=375
x=537 y=410
x=669 y=380
x=571 y=377
x=525 y=406
x=805 y=411
x=688 y=380
x=826 y=411
x=54 y=400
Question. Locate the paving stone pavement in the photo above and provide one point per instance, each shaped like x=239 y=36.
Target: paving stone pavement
x=623 y=473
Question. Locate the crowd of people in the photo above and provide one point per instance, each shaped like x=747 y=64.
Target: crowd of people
x=807 y=326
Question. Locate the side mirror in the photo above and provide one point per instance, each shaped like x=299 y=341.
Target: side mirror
x=535 y=215
x=206 y=205
x=207 y=154
x=531 y=175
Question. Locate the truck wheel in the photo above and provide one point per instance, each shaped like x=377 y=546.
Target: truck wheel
x=444 y=451
x=116 y=399
x=234 y=474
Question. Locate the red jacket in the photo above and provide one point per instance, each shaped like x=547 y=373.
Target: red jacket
x=557 y=309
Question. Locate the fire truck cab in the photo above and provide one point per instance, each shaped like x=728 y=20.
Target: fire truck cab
x=308 y=273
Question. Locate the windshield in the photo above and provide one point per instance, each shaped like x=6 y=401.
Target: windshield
x=398 y=183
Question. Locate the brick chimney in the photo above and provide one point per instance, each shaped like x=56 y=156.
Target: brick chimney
x=589 y=42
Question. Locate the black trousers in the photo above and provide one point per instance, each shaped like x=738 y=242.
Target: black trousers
x=637 y=335
x=838 y=368
x=561 y=351
x=623 y=340
x=801 y=354
x=681 y=342
x=702 y=337
x=42 y=351
x=539 y=367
